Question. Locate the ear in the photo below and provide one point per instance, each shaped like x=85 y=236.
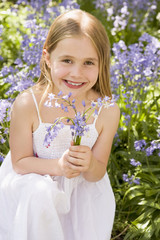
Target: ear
x=46 y=56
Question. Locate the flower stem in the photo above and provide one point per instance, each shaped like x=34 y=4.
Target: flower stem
x=77 y=141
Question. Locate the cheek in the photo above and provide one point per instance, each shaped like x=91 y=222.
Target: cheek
x=93 y=76
x=58 y=71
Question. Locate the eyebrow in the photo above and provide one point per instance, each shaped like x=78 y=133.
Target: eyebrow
x=88 y=58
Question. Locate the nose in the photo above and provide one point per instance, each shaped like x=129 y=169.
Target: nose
x=76 y=70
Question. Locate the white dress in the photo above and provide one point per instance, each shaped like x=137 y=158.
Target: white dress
x=36 y=207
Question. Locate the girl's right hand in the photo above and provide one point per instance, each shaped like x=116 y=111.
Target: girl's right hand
x=66 y=167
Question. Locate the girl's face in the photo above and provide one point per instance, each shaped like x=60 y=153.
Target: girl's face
x=74 y=66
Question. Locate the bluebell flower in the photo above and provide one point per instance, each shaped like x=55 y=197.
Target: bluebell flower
x=65 y=97
x=134 y=163
x=136 y=181
x=83 y=103
x=155 y=145
x=125 y=177
x=131 y=179
x=1 y=158
x=73 y=106
x=95 y=112
x=62 y=106
x=70 y=94
x=139 y=145
x=60 y=93
x=78 y=124
x=93 y=104
x=51 y=96
x=57 y=104
x=66 y=109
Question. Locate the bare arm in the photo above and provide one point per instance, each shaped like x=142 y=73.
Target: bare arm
x=93 y=163
x=21 y=145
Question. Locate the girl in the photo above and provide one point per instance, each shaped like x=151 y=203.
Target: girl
x=61 y=192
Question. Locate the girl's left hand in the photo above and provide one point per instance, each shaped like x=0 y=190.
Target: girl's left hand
x=80 y=158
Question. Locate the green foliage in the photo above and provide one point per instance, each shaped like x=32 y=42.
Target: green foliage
x=147 y=22
x=12 y=29
x=143 y=201
x=138 y=206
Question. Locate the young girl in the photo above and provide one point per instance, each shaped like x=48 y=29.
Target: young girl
x=61 y=192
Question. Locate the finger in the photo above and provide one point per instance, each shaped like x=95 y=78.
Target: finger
x=79 y=148
x=77 y=155
x=72 y=175
x=76 y=161
x=75 y=168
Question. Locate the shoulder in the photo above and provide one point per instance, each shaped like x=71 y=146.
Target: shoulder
x=111 y=111
x=109 y=118
x=24 y=101
x=24 y=106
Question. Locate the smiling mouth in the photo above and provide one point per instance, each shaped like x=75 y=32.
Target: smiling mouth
x=73 y=84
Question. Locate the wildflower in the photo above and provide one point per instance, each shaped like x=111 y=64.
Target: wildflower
x=51 y=96
x=57 y=104
x=60 y=93
x=2 y=140
x=139 y=145
x=78 y=124
x=1 y=158
x=134 y=163
x=136 y=181
x=155 y=145
x=83 y=103
x=48 y=104
x=125 y=177
x=131 y=179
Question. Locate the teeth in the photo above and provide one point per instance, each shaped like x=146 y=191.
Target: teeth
x=74 y=84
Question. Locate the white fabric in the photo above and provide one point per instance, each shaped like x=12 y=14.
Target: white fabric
x=36 y=207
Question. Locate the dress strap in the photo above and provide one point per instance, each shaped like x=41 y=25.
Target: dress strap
x=96 y=116
x=35 y=101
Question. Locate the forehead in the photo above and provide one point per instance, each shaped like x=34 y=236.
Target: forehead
x=78 y=46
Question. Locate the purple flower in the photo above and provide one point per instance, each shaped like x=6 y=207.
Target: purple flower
x=158 y=118
x=66 y=109
x=6 y=131
x=79 y=122
x=70 y=94
x=79 y=127
x=19 y=62
x=83 y=103
x=93 y=104
x=100 y=103
x=155 y=145
x=62 y=106
x=60 y=93
x=125 y=177
x=131 y=179
x=65 y=97
x=136 y=181
x=134 y=163
x=2 y=140
x=5 y=106
x=139 y=145
x=1 y=158
x=52 y=132
x=95 y=112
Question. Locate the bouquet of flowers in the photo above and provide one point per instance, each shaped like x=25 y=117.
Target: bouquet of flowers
x=78 y=124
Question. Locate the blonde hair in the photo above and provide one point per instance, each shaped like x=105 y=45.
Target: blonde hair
x=74 y=23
